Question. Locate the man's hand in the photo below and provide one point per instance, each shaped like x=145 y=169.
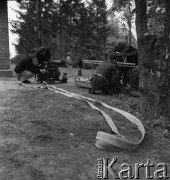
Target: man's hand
x=45 y=65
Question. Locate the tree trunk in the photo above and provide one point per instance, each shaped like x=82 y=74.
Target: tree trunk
x=70 y=24
x=168 y=54
x=147 y=79
x=129 y=25
x=97 y=23
x=39 y=23
x=60 y=30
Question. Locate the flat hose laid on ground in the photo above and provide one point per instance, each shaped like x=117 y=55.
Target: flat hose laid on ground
x=104 y=141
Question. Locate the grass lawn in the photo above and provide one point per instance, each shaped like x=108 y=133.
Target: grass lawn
x=48 y=136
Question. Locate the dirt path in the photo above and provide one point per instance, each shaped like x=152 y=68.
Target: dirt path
x=47 y=136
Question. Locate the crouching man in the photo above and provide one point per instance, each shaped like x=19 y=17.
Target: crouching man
x=28 y=67
x=106 y=77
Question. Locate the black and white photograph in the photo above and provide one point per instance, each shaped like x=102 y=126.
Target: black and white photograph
x=84 y=89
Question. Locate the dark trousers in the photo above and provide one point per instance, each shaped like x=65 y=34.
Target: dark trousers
x=100 y=83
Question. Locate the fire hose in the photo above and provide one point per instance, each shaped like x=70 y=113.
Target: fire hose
x=104 y=141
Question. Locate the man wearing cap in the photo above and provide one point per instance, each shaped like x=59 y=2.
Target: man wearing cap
x=106 y=78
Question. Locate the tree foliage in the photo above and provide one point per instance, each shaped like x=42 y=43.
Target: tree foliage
x=152 y=17
x=126 y=19
x=78 y=25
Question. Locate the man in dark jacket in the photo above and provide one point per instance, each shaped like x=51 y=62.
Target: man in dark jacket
x=133 y=55
x=43 y=55
x=106 y=78
x=29 y=66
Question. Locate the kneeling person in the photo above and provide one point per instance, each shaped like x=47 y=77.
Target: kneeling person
x=106 y=78
x=28 y=67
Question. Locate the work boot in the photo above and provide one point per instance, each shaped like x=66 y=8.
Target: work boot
x=26 y=82
x=91 y=91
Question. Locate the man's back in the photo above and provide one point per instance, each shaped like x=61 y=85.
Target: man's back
x=105 y=79
x=107 y=69
x=26 y=64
